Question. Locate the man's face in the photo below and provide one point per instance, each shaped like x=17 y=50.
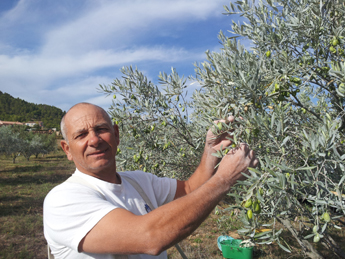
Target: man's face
x=92 y=140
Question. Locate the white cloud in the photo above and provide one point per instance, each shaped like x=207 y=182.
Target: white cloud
x=70 y=93
x=121 y=24
x=40 y=71
x=54 y=52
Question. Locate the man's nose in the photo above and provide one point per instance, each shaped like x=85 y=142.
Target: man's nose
x=94 y=139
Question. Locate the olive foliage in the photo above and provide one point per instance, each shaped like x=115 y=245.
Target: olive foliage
x=157 y=133
x=287 y=92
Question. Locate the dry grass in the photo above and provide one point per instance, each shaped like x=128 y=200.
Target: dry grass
x=23 y=187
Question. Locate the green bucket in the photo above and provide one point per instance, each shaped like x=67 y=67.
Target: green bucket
x=231 y=249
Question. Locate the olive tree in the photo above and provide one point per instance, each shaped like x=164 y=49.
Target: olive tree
x=157 y=133
x=288 y=88
x=10 y=142
x=16 y=141
x=38 y=143
x=287 y=92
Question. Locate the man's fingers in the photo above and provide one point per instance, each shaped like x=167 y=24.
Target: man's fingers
x=226 y=121
x=247 y=153
x=245 y=148
x=255 y=162
x=230 y=119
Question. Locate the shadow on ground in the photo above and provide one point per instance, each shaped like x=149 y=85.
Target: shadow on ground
x=37 y=178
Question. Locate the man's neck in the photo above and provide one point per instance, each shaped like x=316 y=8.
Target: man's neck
x=109 y=175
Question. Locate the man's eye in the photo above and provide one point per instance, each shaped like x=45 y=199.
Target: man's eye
x=80 y=135
x=102 y=129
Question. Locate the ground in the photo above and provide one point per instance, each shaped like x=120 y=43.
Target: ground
x=24 y=185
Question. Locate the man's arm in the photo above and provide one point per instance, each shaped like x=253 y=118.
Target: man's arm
x=122 y=232
x=206 y=168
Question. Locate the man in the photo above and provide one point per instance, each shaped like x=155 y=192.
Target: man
x=84 y=222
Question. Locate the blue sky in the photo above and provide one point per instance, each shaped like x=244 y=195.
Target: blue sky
x=58 y=52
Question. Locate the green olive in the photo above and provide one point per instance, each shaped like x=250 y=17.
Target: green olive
x=315 y=229
x=250 y=214
x=257 y=207
x=335 y=42
x=248 y=203
x=261 y=191
x=219 y=125
x=326 y=217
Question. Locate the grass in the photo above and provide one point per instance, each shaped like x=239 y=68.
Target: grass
x=24 y=185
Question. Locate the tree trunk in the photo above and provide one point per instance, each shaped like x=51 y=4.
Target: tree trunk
x=307 y=248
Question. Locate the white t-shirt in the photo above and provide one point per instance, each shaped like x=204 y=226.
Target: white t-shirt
x=71 y=210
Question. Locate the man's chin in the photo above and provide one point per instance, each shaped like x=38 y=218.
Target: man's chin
x=100 y=166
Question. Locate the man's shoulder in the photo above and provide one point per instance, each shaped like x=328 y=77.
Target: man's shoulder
x=66 y=191
x=134 y=174
x=148 y=179
x=140 y=176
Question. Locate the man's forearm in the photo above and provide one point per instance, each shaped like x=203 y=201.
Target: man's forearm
x=178 y=219
x=158 y=230
x=202 y=174
x=204 y=171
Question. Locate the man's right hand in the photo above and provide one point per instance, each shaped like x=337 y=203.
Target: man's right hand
x=235 y=162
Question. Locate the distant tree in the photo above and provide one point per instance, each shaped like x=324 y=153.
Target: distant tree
x=32 y=146
x=44 y=144
x=10 y=142
x=48 y=143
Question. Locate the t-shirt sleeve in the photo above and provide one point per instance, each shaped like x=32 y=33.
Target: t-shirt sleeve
x=162 y=188
x=71 y=211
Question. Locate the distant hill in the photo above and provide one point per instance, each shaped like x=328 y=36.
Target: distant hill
x=15 y=109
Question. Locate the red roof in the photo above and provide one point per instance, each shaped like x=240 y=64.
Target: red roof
x=4 y=123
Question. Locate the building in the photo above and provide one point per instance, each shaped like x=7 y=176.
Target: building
x=33 y=123
x=10 y=123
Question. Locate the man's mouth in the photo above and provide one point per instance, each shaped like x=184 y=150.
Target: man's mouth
x=98 y=153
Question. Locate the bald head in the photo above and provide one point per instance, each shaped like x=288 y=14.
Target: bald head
x=79 y=106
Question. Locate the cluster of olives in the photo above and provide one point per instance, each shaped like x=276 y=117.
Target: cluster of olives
x=326 y=217
x=253 y=206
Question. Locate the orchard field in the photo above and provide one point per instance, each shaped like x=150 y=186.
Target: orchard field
x=24 y=185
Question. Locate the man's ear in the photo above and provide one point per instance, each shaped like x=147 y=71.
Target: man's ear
x=65 y=148
x=117 y=134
